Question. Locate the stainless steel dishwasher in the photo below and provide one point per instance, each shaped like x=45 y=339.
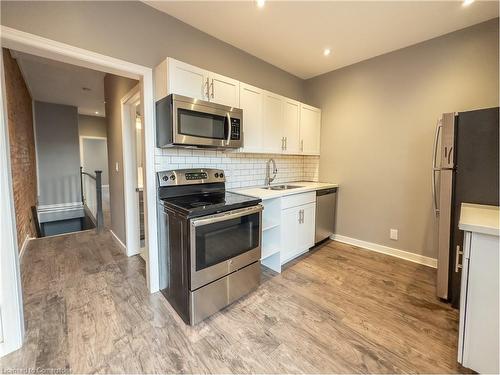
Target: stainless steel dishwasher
x=326 y=201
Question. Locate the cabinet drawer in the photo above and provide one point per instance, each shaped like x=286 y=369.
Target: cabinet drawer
x=298 y=199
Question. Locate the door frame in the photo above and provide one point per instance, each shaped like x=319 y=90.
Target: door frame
x=10 y=293
x=132 y=214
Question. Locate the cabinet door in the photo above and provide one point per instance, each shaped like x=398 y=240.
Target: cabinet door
x=310 y=125
x=224 y=90
x=273 y=119
x=307 y=227
x=251 y=100
x=187 y=80
x=291 y=121
x=289 y=233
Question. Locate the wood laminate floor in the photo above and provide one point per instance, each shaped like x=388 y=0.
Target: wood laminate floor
x=338 y=309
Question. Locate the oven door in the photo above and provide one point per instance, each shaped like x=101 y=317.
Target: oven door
x=199 y=123
x=223 y=243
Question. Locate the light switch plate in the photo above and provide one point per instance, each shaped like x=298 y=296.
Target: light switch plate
x=393 y=234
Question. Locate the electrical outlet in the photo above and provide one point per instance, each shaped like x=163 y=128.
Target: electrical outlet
x=393 y=234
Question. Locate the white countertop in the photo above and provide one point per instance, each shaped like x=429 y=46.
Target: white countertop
x=264 y=194
x=480 y=219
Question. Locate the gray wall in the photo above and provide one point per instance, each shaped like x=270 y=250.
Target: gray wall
x=92 y=126
x=138 y=33
x=95 y=157
x=378 y=124
x=115 y=88
x=58 y=153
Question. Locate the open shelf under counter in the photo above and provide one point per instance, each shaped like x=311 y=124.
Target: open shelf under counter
x=267 y=225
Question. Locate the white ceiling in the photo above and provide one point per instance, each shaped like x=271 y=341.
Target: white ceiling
x=56 y=82
x=292 y=35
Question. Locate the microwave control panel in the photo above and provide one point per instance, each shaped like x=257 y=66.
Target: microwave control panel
x=235 y=129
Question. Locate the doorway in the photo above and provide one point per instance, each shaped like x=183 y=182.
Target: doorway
x=133 y=150
x=11 y=296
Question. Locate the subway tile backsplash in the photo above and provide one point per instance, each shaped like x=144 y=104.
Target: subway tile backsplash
x=241 y=169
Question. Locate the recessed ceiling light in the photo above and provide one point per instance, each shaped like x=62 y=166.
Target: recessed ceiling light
x=326 y=51
x=261 y=3
x=466 y=3
x=96 y=112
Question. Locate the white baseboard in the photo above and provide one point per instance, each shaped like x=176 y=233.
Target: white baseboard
x=416 y=258
x=119 y=241
x=23 y=247
x=59 y=207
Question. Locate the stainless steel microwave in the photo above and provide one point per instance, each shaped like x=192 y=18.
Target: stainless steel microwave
x=184 y=121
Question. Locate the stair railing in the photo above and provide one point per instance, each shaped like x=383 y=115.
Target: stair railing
x=98 y=214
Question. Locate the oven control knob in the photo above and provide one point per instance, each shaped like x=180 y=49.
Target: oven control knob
x=221 y=175
x=217 y=175
x=172 y=177
x=165 y=178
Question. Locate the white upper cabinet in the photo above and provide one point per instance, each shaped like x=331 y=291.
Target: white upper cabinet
x=273 y=141
x=224 y=90
x=310 y=125
x=271 y=123
x=291 y=126
x=187 y=80
x=176 y=77
x=251 y=101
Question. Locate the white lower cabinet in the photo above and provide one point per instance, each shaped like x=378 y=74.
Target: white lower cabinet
x=288 y=225
x=297 y=230
x=478 y=342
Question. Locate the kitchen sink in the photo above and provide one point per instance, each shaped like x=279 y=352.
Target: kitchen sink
x=281 y=187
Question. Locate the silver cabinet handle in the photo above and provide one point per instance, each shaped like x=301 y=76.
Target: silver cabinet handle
x=207 y=85
x=286 y=143
x=458 y=265
x=212 y=85
x=300 y=216
x=302 y=145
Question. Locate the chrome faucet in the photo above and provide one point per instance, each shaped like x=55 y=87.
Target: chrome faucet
x=270 y=179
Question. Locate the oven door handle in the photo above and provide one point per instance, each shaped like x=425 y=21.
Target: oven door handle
x=211 y=219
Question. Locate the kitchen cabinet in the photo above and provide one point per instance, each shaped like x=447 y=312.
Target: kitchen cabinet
x=176 y=77
x=310 y=125
x=224 y=90
x=478 y=342
x=297 y=225
x=251 y=101
x=273 y=123
x=291 y=126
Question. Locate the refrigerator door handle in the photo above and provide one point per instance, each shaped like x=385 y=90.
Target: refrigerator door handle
x=435 y=167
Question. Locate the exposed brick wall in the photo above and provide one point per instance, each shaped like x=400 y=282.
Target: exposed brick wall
x=22 y=146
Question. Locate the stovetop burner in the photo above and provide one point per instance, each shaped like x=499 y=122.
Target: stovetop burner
x=200 y=196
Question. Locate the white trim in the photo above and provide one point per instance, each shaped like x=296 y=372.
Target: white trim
x=11 y=294
x=24 y=246
x=412 y=257
x=59 y=207
x=132 y=220
x=11 y=299
x=119 y=241
x=105 y=186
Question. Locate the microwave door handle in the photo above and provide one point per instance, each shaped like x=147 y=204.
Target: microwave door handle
x=228 y=129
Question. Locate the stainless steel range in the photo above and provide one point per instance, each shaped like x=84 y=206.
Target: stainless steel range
x=210 y=242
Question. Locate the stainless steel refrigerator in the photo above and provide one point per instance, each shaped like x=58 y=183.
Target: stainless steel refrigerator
x=465 y=169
